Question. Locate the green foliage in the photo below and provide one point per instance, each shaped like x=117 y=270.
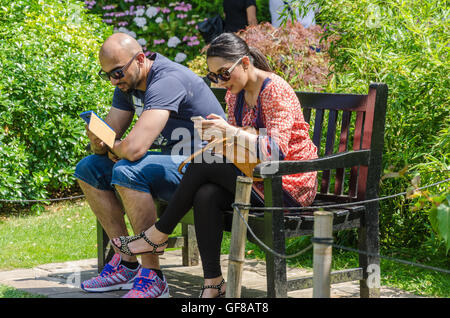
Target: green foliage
x=439 y=216
x=263 y=11
x=403 y=43
x=154 y=23
x=290 y=52
x=48 y=57
x=167 y=27
x=62 y=232
x=10 y=292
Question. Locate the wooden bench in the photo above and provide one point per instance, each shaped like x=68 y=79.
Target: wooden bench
x=348 y=130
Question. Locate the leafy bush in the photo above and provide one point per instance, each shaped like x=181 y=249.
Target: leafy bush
x=263 y=11
x=48 y=57
x=165 y=26
x=404 y=44
x=296 y=54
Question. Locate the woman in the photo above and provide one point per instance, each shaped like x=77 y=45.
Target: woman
x=255 y=97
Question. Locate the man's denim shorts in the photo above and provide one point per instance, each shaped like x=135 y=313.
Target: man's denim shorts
x=155 y=173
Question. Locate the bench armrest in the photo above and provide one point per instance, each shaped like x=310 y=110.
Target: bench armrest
x=340 y=160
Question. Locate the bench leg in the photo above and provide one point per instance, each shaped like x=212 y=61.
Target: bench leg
x=104 y=250
x=276 y=266
x=275 y=238
x=190 y=248
x=276 y=277
x=369 y=241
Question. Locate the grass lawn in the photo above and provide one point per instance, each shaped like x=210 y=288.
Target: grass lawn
x=63 y=232
x=393 y=274
x=66 y=231
x=9 y=292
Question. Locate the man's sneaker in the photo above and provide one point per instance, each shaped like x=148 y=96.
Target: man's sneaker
x=113 y=277
x=147 y=284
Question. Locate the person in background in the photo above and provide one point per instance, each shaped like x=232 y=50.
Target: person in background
x=277 y=6
x=239 y=14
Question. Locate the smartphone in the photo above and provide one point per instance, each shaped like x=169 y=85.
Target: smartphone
x=86 y=116
x=99 y=128
x=195 y=118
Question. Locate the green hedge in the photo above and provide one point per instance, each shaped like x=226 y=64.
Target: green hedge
x=48 y=58
x=403 y=43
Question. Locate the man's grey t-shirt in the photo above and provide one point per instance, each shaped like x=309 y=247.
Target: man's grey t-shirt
x=176 y=88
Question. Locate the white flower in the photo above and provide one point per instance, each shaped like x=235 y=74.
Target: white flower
x=151 y=12
x=158 y=20
x=180 y=57
x=139 y=12
x=140 y=22
x=173 y=41
x=125 y=30
x=142 y=41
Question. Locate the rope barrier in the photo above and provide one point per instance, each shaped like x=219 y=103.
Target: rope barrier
x=340 y=205
x=261 y=243
x=445 y=271
x=329 y=241
x=246 y=206
x=42 y=200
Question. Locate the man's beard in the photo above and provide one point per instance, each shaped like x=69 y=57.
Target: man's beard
x=133 y=85
x=130 y=90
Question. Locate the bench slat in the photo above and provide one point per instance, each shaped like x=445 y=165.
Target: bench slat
x=343 y=146
x=329 y=145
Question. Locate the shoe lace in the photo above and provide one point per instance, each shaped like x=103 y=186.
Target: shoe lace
x=107 y=270
x=142 y=284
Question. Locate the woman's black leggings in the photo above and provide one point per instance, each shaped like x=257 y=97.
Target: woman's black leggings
x=210 y=189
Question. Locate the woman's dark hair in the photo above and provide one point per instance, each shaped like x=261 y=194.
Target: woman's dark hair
x=231 y=47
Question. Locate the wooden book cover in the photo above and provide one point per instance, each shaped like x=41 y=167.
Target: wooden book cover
x=99 y=128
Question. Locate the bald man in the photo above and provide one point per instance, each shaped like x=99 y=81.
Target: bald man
x=164 y=95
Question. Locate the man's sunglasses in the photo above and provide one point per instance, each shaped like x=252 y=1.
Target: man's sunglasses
x=117 y=73
x=225 y=75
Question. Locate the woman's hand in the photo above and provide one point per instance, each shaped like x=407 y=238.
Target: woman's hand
x=215 y=125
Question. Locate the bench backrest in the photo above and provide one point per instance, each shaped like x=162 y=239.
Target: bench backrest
x=343 y=122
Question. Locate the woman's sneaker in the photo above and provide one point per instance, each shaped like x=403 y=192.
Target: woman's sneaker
x=114 y=276
x=147 y=284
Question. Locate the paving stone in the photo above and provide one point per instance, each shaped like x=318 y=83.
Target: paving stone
x=62 y=280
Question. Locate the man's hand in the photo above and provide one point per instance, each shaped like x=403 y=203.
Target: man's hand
x=113 y=157
x=97 y=146
x=147 y=128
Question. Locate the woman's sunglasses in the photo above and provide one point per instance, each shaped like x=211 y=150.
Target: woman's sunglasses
x=117 y=73
x=225 y=75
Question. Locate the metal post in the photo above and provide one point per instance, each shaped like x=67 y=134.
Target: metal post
x=323 y=228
